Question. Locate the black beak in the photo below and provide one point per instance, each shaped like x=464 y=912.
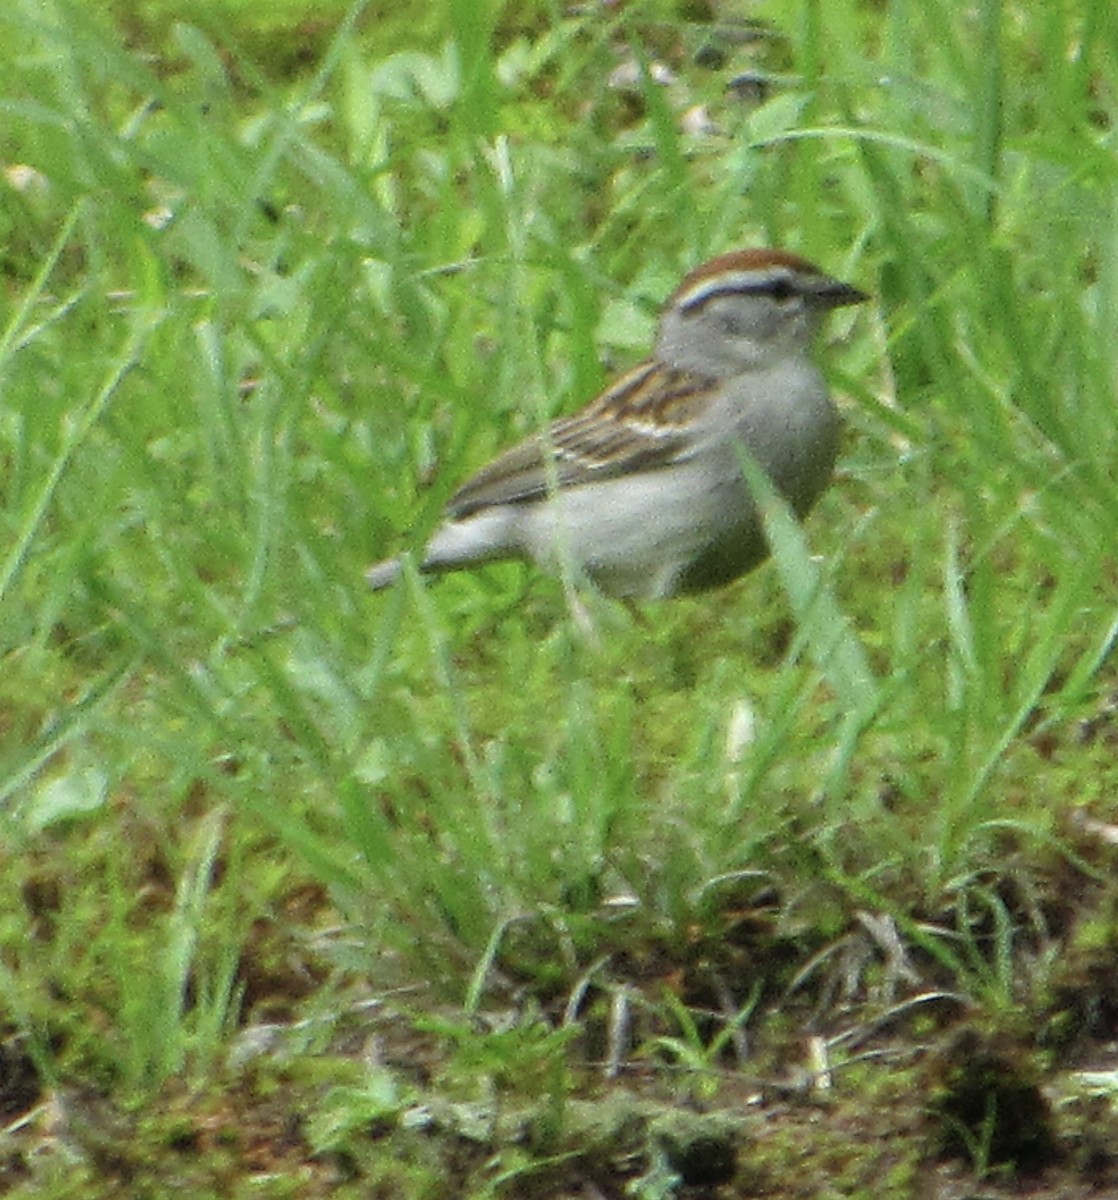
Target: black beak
x=833 y=293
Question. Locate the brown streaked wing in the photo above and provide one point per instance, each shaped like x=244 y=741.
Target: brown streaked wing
x=641 y=423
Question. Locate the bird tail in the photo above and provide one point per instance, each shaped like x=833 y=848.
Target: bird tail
x=383 y=574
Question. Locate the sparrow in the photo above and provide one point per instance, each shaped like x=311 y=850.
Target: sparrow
x=641 y=493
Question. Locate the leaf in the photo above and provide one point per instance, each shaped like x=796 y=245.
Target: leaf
x=831 y=640
x=65 y=797
x=776 y=117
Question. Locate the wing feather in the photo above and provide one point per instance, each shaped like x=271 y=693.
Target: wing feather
x=643 y=422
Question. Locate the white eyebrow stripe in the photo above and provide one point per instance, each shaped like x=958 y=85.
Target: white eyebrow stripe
x=730 y=283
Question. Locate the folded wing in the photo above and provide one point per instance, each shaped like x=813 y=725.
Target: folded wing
x=641 y=423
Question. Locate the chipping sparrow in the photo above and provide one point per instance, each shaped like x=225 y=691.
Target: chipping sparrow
x=642 y=491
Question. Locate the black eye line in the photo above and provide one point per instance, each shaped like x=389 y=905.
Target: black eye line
x=779 y=289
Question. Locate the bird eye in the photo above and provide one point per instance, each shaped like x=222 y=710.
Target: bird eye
x=782 y=289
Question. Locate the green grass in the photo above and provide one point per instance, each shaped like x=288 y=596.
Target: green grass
x=270 y=289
